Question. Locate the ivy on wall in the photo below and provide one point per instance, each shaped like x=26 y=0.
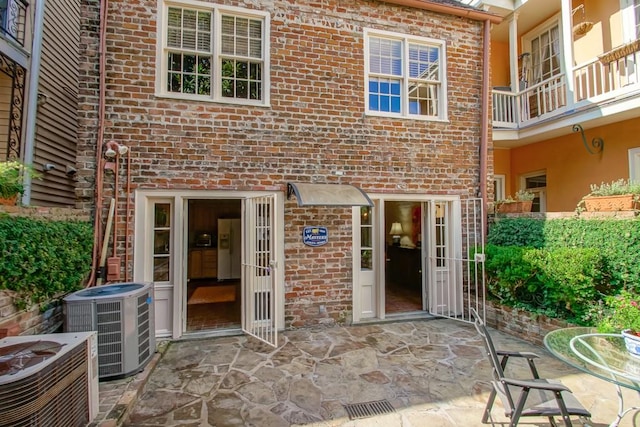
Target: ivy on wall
x=41 y=259
x=617 y=242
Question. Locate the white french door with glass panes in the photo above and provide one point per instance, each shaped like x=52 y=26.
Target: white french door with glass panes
x=260 y=296
x=440 y=250
x=161 y=216
x=161 y=257
x=365 y=262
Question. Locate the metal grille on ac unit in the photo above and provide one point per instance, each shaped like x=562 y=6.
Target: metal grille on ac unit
x=123 y=315
x=48 y=380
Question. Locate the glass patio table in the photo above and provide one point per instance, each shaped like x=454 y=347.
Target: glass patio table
x=602 y=355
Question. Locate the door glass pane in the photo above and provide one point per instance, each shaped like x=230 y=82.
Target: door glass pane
x=161 y=242
x=366 y=238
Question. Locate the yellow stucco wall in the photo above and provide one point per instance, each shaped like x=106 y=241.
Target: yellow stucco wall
x=502 y=166
x=499 y=64
x=606 y=32
x=570 y=168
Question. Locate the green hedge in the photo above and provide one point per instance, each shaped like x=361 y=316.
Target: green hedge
x=617 y=242
x=41 y=259
x=561 y=282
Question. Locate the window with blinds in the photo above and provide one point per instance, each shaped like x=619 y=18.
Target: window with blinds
x=214 y=54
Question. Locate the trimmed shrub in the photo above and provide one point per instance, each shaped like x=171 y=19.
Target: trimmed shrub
x=41 y=259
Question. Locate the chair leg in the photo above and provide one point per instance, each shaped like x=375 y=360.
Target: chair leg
x=515 y=417
x=487 y=409
x=563 y=409
x=552 y=422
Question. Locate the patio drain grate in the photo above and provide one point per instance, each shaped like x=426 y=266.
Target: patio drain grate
x=368 y=409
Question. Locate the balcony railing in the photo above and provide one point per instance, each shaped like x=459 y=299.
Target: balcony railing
x=13 y=18
x=540 y=100
x=598 y=80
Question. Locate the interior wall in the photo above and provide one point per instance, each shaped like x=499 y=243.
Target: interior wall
x=204 y=215
x=570 y=168
x=408 y=214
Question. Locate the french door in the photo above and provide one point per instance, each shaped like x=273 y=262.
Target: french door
x=452 y=239
x=260 y=297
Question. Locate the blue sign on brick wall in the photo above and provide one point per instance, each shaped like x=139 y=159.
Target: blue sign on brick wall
x=315 y=236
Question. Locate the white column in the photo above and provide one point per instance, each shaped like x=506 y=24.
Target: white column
x=513 y=52
x=567 y=50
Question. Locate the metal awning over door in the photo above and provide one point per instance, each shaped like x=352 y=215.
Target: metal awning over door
x=309 y=194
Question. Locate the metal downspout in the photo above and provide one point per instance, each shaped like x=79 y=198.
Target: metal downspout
x=485 y=123
x=32 y=97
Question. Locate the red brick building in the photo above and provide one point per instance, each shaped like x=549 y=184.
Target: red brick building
x=272 y=148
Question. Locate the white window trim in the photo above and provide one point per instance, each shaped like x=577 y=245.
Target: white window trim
x=537 y=31
x=442 y=96
x=216 y=11
x=628 y=21
x=541 y=192
x=634 y=164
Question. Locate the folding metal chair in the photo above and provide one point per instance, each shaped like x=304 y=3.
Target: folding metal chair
x=534 y=397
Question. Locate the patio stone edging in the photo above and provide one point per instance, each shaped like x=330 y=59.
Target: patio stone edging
x=520 y=323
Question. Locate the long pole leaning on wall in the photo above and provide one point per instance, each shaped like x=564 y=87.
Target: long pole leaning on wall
x=97 y=226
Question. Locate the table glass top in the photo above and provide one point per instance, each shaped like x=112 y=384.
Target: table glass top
x=601 y=355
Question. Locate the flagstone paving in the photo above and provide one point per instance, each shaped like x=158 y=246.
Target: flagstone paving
x=433 y=372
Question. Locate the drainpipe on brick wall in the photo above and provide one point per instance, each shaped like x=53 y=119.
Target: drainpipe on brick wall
x=97 y=226
x=32 y=96
x=484 y=132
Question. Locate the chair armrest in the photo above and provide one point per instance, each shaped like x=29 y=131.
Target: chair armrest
x=540 y=385
x=521 y=354
x=526 y=354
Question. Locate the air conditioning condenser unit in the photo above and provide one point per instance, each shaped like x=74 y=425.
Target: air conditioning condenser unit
x=49 y=380
x=123 y=316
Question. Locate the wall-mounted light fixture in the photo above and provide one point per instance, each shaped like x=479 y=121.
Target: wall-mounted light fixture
x=596 y=143
x=113 y=149
x=396 y=231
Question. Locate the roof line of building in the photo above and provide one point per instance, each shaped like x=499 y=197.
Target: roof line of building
x=475 y=14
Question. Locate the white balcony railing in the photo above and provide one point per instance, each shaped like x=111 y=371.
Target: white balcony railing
x=596 y=81
x=512 y=110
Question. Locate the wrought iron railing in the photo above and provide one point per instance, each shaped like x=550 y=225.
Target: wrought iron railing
x=596 y=81
x=13 y=18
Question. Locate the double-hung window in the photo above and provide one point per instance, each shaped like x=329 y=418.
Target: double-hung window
x=405 y=76
x=213 y=53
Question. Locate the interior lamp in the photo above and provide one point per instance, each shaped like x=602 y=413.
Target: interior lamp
x=396 y=231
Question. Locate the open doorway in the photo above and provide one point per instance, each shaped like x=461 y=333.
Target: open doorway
x=403 y=269
x=213 y=293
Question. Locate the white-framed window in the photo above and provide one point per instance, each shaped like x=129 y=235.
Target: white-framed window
x=630 y=20
x=536 y=183
x=405 y=76
x=499 y=188
x=634 y=164
x=545 y=46
x=210 y=52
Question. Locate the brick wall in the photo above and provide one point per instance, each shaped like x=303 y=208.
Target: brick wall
x=314 y=126
x=521 y=323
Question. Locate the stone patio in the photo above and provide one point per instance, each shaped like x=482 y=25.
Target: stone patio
x=433 y=372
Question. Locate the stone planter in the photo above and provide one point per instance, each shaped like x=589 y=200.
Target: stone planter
x=632 y=342
x=514 y=207
x=623 y=202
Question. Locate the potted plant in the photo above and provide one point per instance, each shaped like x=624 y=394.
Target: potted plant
x=522 y=202
x=621 y=314
x=620 y=195
x=11 y=176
